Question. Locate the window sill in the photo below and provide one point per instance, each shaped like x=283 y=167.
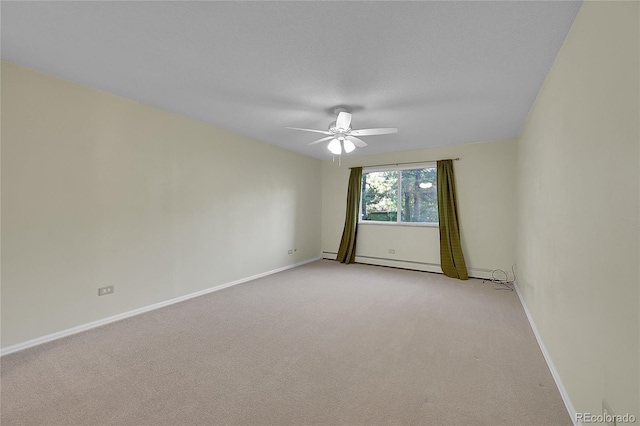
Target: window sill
x=419 y=224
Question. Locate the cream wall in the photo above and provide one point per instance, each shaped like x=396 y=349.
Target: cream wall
x=98 y=190
x=577 y=211
x=485 y=179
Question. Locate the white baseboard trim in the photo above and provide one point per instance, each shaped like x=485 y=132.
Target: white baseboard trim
x=88 y=326
x=547 y=357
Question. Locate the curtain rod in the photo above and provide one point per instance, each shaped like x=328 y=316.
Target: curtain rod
x=411 y=162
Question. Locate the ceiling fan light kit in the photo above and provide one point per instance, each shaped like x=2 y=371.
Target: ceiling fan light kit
x=348 y=146
x=334 y=147
x=338 y=144
x=342 y=136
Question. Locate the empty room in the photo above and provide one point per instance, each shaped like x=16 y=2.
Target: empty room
x=320 y=212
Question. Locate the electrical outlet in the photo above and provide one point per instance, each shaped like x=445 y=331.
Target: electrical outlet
x=607 y=414
x=103 y=291
x=392 y=251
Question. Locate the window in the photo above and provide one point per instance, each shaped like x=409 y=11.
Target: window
x=414 y=188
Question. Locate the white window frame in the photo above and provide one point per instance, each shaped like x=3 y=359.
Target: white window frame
x=399 y=169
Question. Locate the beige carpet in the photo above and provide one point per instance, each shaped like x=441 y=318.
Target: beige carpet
x=322 y=344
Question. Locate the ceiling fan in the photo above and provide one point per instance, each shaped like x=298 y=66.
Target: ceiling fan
x=342 y=136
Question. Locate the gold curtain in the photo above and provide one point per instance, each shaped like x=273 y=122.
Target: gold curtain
x=451 y=258
x=347 y=250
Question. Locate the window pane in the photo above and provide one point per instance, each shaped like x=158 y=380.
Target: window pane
x=419 y=200
x=380 y=196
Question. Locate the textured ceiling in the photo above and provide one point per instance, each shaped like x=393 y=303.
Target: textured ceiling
x=442 y=72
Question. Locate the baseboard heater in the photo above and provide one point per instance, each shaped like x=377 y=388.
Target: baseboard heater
x=409 y=264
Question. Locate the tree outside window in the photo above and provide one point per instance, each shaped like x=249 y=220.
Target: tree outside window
x=414 y=187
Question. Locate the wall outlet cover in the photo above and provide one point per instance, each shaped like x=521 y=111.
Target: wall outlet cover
x=103 y=291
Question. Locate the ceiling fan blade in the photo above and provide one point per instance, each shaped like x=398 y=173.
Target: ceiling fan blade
x=343 y=121
x=357 y=142
x=324 y=132
x=372 y=132
x=321 y=140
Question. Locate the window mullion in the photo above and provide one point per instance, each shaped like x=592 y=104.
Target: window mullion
x=399 y=208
